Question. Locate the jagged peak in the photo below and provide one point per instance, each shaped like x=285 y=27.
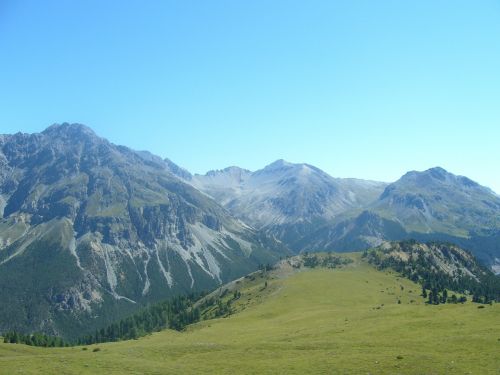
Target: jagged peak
x=73 y=131
x=278 y=164
x=228 y=170
x=234 y=168
x=67 y=128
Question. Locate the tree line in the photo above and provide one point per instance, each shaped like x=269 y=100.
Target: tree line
x=329 y=260
x=436 y=296
x=34 y=339
x=176 y=314
x=420 y=269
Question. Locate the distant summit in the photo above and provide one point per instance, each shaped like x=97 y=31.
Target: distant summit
x=69 y=130
x=438 y=201
x=286 y=200
x=438 y=176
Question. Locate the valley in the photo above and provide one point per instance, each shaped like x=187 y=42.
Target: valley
x=249 y=187
x=99 y=230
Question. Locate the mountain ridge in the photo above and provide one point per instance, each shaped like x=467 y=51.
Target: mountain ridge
x=285 y=199
x=111 y=229
x=425 y=205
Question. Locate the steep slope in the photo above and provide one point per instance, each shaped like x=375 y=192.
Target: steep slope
x=438 y=201
x=447 y=259
x=286 y=200
x=438 y=266
x=225 y=185
x=356 y=233
x=428 y=205
x=90 y=231
x=300 y=321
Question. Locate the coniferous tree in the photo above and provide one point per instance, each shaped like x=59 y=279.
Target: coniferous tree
x=444 y=296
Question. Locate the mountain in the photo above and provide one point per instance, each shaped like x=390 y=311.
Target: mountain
x=308 y=210
x=90 y=231
x=223 y=185
x=438 y=201
x=429 y=205
x=286 y=200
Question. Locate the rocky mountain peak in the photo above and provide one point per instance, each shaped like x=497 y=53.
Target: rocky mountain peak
x=277 y=165
x=437 y=177
x=67 y=130
x=439 y=172
x=232 y=170
x=429 y=176
x=113 y=226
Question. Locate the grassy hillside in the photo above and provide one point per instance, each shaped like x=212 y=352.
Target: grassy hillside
x=345 y=320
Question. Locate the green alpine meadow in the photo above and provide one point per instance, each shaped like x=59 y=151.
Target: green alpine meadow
x=352 y=318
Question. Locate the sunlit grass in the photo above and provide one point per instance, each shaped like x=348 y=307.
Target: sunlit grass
x=311 y=321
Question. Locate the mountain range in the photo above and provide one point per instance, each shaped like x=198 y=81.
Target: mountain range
x=91 y=231
x=284 y=199
x=308 y=210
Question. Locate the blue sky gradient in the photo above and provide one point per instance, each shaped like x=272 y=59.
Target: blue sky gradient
x=367 y=89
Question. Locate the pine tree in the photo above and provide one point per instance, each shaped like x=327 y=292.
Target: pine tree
x=444 y=297
x=424 y=292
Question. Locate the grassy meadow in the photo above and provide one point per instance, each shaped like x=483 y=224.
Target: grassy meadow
x=318 y=321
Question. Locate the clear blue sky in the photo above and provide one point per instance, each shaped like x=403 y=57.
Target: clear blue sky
x=365 y=89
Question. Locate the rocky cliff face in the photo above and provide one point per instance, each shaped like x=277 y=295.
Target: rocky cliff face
x=443 y=258
x=90 y=231
x=438 y=201
x=287 y=200
x=439 y=267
